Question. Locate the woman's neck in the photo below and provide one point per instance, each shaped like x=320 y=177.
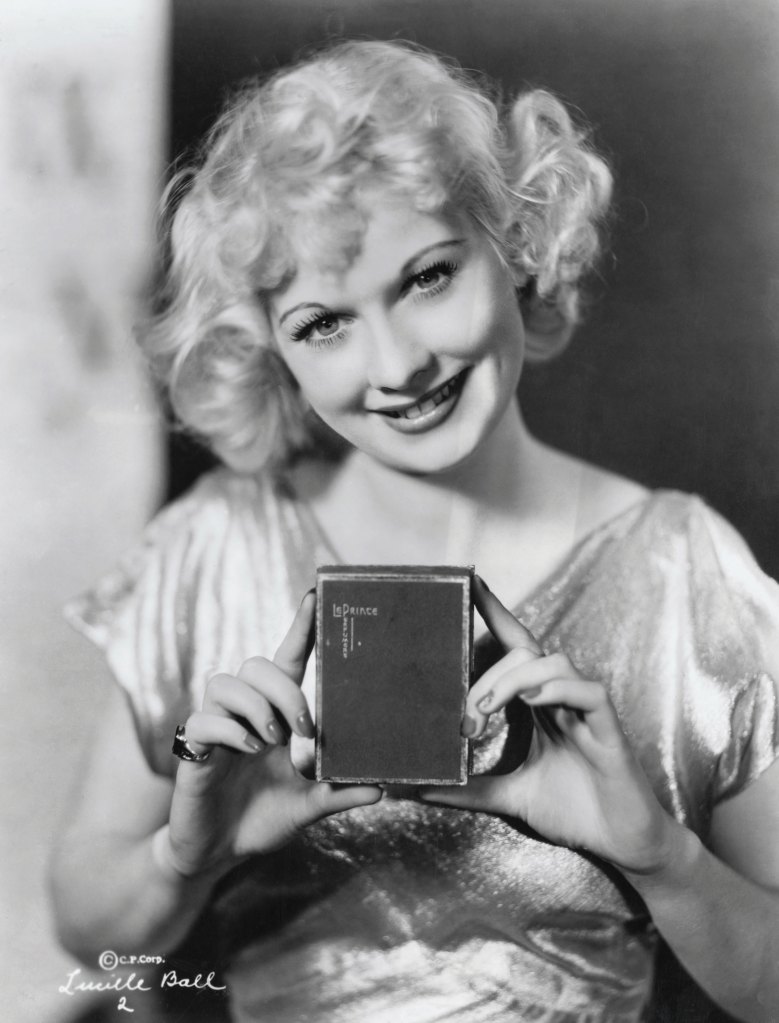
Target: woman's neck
x=482 y=477
x=373 y=512
x=514 y=510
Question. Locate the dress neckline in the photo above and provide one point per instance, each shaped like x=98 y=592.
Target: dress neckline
x=613 y=527
x=592 y=540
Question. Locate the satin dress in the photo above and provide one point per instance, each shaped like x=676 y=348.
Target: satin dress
x=404 y=912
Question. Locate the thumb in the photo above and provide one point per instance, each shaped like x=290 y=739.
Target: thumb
x=483 y=792
x=325 y=798
x=292 y=656
x=503 y=625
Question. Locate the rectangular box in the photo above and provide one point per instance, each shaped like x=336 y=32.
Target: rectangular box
x=394 y=665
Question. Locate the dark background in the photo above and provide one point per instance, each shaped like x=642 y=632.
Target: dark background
x=673 y=378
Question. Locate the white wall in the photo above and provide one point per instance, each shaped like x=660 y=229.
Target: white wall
x=81 y=136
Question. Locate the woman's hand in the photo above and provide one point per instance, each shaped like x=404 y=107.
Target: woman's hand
x=580 y=785
x=247 y=797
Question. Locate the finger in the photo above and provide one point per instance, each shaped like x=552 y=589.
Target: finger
x=295 y=649
x=281 y=691
x=488 y=793
x=484 y=689
x=500 y=621
x=544 y=721
x=589 y=699
x=234 y=697
x=203 y=731
x=325 y=798
x=515 y=673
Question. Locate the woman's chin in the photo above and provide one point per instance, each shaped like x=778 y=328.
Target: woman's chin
x=435 y=456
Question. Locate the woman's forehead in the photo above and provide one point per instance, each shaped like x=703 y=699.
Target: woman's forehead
x=394 y=234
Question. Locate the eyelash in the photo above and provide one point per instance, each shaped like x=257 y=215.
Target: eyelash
x=445 y=267
x=302 y=331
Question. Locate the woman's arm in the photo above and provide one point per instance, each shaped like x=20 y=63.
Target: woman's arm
x=111 y=888
x=582 y=787
x=140 y=856
x=719 y=909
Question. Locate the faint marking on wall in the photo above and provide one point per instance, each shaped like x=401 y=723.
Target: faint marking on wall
x=84 y=321
x=56 y=132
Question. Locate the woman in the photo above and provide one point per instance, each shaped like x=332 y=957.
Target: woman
x=359 y=269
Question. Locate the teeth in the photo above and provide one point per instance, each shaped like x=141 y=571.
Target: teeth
x=423 y=407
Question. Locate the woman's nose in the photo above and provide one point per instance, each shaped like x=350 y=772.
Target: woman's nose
x=397 y=360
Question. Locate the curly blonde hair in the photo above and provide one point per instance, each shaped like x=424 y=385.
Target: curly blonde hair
x=283 y=177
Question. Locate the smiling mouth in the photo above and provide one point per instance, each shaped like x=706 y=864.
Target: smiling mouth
x=428 y=402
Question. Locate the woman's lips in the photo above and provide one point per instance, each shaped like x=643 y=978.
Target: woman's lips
x=430 y=410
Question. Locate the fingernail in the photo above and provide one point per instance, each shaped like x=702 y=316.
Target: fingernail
x=278 y=736
x=482 y=583
x=529 y=694
x=254 y=744
x=468 y=727
x=305 y=725
x=485 y=702
x=312 y=590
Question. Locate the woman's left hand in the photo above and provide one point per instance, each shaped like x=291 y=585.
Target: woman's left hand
x=581 y=785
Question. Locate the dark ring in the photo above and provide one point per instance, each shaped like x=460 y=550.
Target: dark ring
x=184 y=751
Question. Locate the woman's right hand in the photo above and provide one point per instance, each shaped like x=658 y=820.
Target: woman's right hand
x=248 y=797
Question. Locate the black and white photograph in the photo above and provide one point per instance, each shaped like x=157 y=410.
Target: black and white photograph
x=389 y=620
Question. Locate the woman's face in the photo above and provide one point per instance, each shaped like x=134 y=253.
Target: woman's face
x=412 y=353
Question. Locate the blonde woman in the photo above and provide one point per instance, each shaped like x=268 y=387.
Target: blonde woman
x=370 y=250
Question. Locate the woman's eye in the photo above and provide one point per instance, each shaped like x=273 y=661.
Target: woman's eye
x=428 y=278
x=432 y=279
x=327 y=325
x=321 y=329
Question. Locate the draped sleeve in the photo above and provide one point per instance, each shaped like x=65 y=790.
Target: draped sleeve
x=668 y=608
x=735 y=607
x=215 y=578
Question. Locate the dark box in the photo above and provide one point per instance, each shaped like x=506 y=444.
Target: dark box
x=394 y=665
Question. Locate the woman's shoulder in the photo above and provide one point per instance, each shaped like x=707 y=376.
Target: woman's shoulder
x=215 y=576
x=673 y=554
x=219 y=490
x=678 y=528
x=654 y=541
x=224 y=518
x=604 y=496
x=220 y=502
x=684 y=525
x=612 y=502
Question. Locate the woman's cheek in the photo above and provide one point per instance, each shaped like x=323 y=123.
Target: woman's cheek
x=327 y=383
x=499 y=327
x=480 y=322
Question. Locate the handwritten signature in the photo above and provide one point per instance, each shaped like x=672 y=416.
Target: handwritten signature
x=116 y=983
x=171 y=979
x=132 y=983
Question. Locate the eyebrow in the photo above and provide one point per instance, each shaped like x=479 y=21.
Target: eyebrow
x=403 y=272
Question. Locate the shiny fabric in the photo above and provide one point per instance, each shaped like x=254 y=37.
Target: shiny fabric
x=404 y=911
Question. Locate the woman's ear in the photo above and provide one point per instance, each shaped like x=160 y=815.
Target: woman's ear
x=547 y=329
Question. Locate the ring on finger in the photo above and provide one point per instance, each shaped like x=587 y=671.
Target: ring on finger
x=184 y=751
